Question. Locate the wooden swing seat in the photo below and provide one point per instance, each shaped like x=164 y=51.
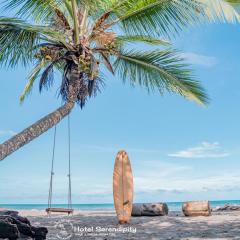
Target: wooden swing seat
x=59 y=210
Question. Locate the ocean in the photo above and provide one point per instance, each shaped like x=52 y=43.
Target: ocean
x=173 y=206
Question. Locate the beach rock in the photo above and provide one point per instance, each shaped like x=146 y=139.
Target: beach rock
x=196 y=208
x=40 y=233
x=16 y=217
x=8 y=230
x=150 y=209
x=9 y=213
x=22 y=219
x=23 y=228
x=13 y=226
x=228 y=207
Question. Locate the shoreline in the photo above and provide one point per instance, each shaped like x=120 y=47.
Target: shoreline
x=173 y=206
x=104 y=225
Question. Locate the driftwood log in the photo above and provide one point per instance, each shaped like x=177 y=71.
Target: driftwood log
x=149 y=209
x=13 y=226
x=196 y=208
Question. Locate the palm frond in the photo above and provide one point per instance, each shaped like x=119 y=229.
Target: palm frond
x=18 y=38
x=107 y=62
x=220 y=10
x=161 y=70
x=40 y=10
x=32 y=78
x=166 y=17
x=16 y=43
x=18 y=24
x=234 y=2
x=140 y=38
x=47 y=76
x=157 y=17
x=68 y=8
x=96 y=7
x=80 y=35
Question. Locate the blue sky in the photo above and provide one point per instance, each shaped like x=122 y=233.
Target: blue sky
x=179 y=150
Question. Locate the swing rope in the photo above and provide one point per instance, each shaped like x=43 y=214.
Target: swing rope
x=69 y=166
x=52 y=169
x=50 y=195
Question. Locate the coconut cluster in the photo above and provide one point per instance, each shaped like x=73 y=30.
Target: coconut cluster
x=48 y=53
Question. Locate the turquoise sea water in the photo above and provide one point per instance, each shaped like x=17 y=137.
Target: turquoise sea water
x=173 y=206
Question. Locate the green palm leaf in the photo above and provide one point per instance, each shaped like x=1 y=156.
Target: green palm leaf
x=157 y=17
x=32 y=78
x=234 y=2
x=140 y=38
x=17 y=40
x=96 y=7
x=38 y=9
x=82 y=34
x=216 y=10
x=161 y=70
x=166 y=17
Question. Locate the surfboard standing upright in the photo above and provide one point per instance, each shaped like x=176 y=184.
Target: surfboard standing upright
x=123 y=187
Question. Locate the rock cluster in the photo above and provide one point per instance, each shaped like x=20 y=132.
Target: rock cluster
x=13 y=226
x=228 y=207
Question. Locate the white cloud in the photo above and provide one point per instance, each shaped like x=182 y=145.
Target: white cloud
x=204 y=150
x=225 y=182
x=158 y=177
x=7 y=133
x=193 y=58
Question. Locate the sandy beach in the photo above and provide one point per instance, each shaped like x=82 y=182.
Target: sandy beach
x=101 y=225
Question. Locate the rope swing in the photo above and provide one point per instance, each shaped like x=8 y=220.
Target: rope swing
x=50 y=209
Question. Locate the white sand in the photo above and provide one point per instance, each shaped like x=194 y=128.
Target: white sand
x=219 y=226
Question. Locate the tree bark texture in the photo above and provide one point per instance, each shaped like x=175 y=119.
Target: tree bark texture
x=35 y=130
x=47 y=122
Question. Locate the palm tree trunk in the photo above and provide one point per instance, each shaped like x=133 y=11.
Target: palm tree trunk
x=35 y=130
x=47 y=122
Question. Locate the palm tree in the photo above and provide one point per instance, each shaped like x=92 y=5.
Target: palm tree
x=80 y=38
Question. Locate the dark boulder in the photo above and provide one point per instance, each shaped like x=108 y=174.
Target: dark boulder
x=13 y=226
x=40 y=233
x=8 y=212
x=23 y=228
x=22 y=219
x=8 y=230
